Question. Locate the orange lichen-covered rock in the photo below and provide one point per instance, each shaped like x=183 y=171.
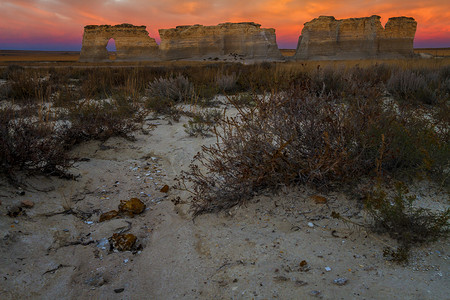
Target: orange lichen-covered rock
x=122 y=242
x=132 y=207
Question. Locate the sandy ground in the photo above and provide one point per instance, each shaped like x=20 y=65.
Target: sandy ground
x=282 y=246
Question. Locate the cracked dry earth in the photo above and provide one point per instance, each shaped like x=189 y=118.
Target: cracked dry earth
x=283 y=246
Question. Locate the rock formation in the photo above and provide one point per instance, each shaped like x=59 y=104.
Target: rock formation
x=132 y=43
x=233 y=41
x=356 y=38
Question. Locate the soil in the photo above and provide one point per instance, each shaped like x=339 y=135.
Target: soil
x=283 y=246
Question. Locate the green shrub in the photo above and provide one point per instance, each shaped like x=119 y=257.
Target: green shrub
x=407 y=224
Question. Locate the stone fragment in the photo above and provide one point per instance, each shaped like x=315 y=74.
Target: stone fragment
x=340 y=281
x=27 y=203
x=132 y=207
x=96 y=281
x=165 y=189
x=122 y=242
x=15 y=211
x=108 y=215
x=356 y=38
x=319 y=199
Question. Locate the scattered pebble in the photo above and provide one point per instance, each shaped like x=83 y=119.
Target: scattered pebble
x=340 y=281
x=27 y=204
x=165 y=189
x=328 y=269
x=314 y=293
x=96 y=281
x=89 y=222
x=103 y=244
x=117 y=291
x=310 y=224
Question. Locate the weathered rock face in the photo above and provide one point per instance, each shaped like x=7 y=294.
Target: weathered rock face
x=132 y=43
x=356 y=38
x=233 y=41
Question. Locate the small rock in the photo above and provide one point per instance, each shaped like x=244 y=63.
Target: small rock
x=16 y=222
x=103 y=244
x=96 y=280
x=319 y=199
x=118 y=291
x=15 y=211
x=328 y=269
x=132 y=207
x=310 y=224
x=300 y=283
x=340 y=281
x=304 y=267
x=165 y=189
x=315 y=293
x=122 y=242
x=280 y=278
x=27 y=204
x=108 y=215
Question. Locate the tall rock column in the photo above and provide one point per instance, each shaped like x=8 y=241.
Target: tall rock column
x=356 y=38
x=225 y=41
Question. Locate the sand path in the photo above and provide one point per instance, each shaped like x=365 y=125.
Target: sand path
x=252 y=252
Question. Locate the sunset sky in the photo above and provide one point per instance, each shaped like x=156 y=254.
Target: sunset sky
x=58 y=24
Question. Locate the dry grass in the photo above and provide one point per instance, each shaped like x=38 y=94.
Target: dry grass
x=434 y=51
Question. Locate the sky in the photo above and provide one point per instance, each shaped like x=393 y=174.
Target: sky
x=58 y=24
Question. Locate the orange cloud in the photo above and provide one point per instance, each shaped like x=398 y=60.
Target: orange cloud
x=61 y=22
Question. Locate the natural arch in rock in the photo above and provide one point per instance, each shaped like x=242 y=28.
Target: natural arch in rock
x=132 y=43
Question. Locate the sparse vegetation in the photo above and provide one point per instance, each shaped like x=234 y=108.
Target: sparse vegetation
x=408 y=224
x=299 y=123
x=202 y=123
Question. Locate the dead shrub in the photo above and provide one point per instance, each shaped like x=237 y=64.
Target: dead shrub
x=202 y=123
x=177 y=89
x=226 y=83
x=301 y=137
x=96 y=120
x=31 y=145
